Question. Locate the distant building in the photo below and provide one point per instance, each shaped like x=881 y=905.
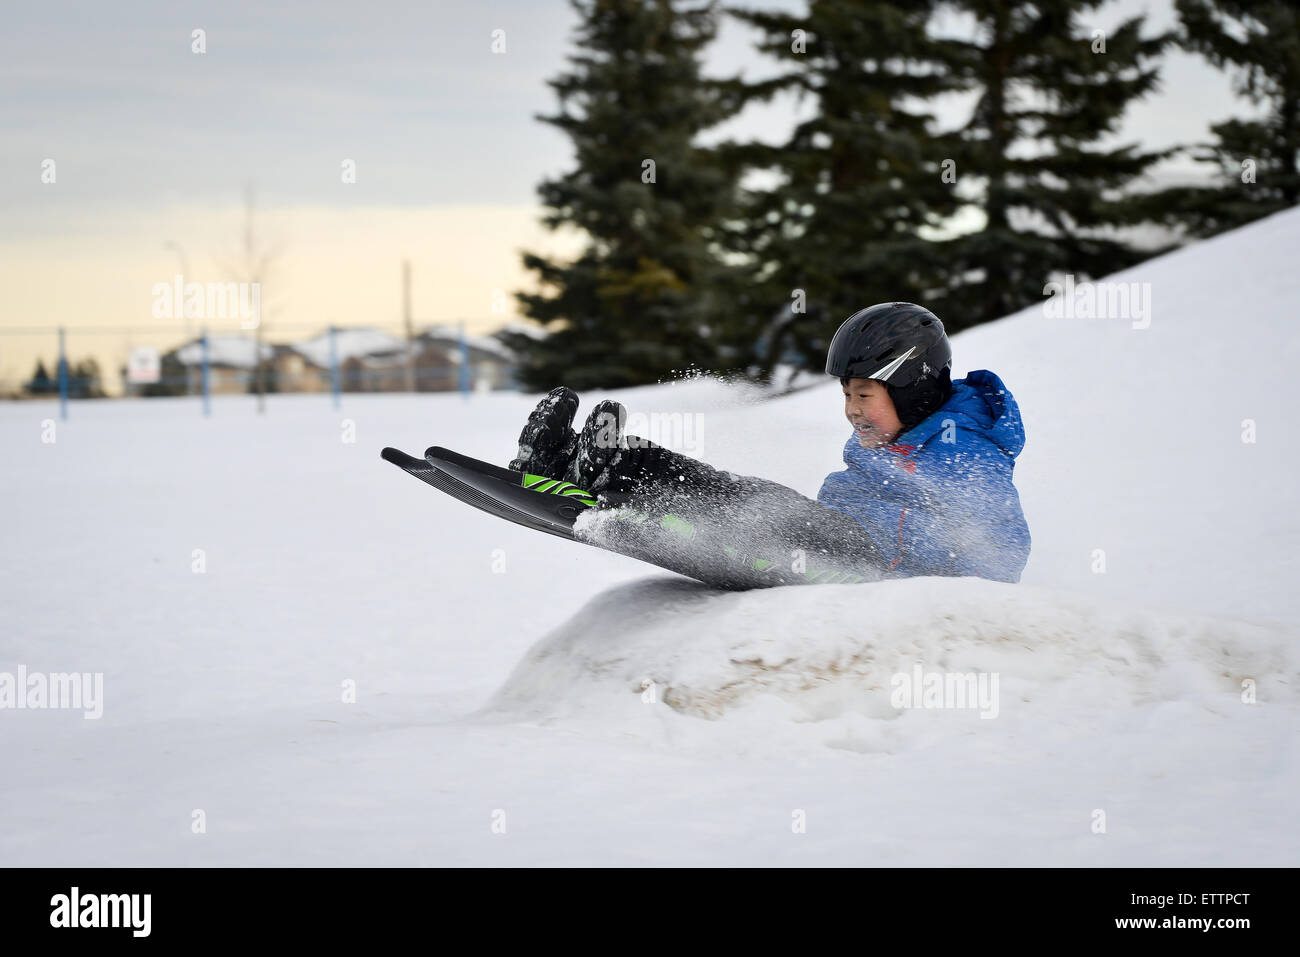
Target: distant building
x=230 y=368
x=491 y=364
x=369 y=360
x=292 y=371
x=364 y=355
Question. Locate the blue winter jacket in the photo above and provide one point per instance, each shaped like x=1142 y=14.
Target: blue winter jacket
x=940 y=501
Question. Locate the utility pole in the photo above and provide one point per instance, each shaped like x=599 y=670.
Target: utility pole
x=255 y=275
x=410 y=330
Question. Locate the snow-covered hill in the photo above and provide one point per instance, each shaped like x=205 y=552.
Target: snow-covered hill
x=236 y=580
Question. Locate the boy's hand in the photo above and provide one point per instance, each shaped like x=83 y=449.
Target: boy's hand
x=612 y=464
x=547 y=442
x=601 y=451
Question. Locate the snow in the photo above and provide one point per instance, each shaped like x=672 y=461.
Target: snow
x=236 y=351
x=611 y=713
x=831 y=654
x=350 y=343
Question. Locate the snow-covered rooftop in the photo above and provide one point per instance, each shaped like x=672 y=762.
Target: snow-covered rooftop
x=350 y=343
x=236 y=351
x=451 y=334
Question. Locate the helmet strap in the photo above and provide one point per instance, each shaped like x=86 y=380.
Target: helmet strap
x=913 y=403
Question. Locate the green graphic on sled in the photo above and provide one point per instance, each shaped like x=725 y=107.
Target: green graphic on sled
x=540 y=483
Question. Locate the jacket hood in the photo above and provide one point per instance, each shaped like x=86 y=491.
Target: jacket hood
x=980 y=403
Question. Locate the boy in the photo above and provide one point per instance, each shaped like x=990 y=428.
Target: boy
x=928 y=486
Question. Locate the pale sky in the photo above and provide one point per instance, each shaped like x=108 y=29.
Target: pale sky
x=152 y=144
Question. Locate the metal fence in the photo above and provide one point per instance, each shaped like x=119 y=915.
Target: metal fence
x=205 y=366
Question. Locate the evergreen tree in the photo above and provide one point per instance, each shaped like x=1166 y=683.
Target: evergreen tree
x=1259 y=160
x=1051 y=195
x=84 y=380
x=40 y=382
x=640 y=303
x=859 y=181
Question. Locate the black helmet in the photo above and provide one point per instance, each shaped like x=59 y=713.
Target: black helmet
x=902 y=345
x=895 y=342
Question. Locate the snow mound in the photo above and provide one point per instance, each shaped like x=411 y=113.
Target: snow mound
x=834 y=649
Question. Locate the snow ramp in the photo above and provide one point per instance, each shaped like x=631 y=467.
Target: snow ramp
x=884 y=648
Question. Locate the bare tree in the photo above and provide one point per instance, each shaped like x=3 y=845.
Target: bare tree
x=257 y=262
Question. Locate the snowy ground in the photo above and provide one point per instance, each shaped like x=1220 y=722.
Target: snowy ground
x=606 y=712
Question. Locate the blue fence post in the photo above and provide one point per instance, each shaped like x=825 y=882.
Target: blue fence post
x=334 y=364
x=464 y=363
x=63 y=378
x=203 y=365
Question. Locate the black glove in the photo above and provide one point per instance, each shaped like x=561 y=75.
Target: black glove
x=547 y=442
x=602 y=460
x=614 y=465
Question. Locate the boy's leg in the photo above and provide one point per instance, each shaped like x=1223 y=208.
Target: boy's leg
x=757 y=513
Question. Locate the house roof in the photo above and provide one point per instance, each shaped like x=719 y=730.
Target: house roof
x=235 y=351
x=358 y=342
x=447 y=335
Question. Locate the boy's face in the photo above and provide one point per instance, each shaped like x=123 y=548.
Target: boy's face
x=870 y=411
